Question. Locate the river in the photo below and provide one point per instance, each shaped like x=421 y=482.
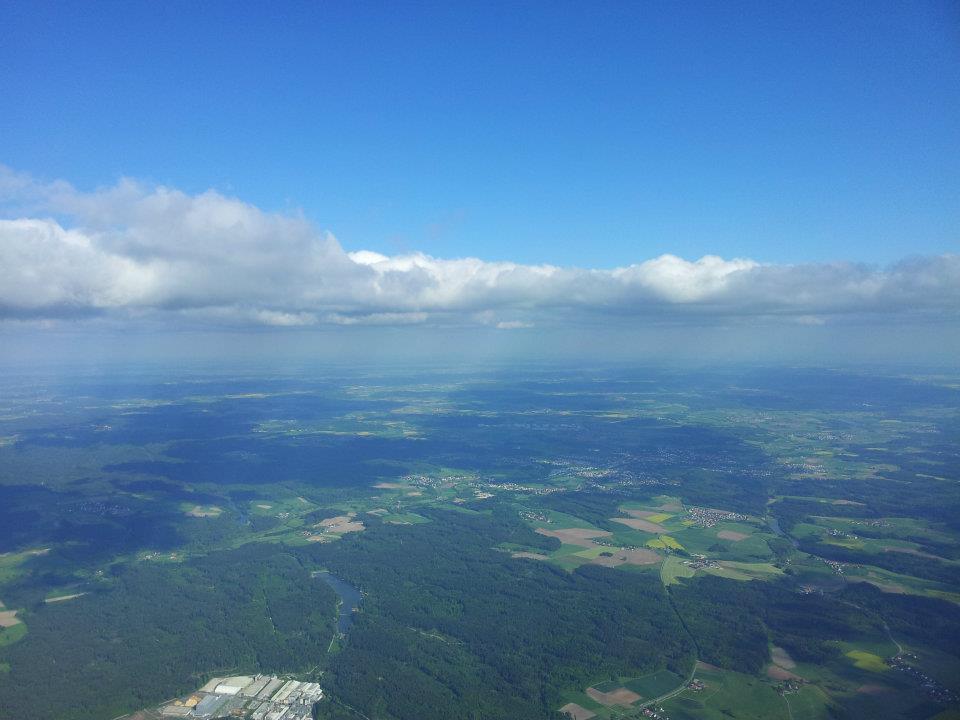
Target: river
x=775 y=526
x=349 y=599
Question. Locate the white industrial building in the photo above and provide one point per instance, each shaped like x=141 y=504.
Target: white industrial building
x=263 y=697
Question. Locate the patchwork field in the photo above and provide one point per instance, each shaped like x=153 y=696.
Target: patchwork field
x=622 y=697
x=774 y=531
x=618 y=696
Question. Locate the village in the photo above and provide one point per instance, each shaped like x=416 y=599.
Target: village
x=934 y=689
x=708 y=517
x=700 y=562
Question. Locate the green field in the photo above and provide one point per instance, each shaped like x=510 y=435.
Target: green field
x=867 y=661
x=810 y=703
x=10 y=563
x=655 y=685
x=10 y=635
x=745 y=571
x=673 y=569
x=728 y=695
x=594 y=552
x=664 y=542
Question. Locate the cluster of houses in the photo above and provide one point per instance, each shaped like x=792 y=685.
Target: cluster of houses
x=437 y=483
x=837 y=567
x=699 y=562
x=709 y=517
x=516 y=487
x=790 y=686
x=95 y=507
x=934 y=689
x=156 y=556
x=654 y=713
x=871 y=523
x=833 y=532
x=566 y=468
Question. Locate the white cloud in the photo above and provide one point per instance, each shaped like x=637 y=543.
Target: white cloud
x=810 y=320
x=285 y=319
x=383 y=318
x=132 y=251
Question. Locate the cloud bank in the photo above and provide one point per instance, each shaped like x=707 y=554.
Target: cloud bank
x=134 y=252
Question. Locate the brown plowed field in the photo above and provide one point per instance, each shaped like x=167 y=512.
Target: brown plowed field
x=620 y=696
x=640 y=524
x=575 y=536
x=577 y=712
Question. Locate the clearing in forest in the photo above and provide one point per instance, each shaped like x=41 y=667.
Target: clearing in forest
x=867 y=661
x=529 y=555
x=775 y=672
x=782 y=658
x=64 y=598
x=341 y=524
x=199 y=511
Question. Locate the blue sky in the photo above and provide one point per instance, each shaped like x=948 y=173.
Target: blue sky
x=588 y=134
x=711 y=180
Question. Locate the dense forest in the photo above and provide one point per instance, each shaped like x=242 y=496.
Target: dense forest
x=923 y=620
x=453 y=629
x=908 y=564
x=450 y=624
x=159 y=630
x=734 y=622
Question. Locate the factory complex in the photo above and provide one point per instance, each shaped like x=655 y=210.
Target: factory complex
x=261 y=697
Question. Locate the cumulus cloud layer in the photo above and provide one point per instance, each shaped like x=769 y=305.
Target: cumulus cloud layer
x=133 y=251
